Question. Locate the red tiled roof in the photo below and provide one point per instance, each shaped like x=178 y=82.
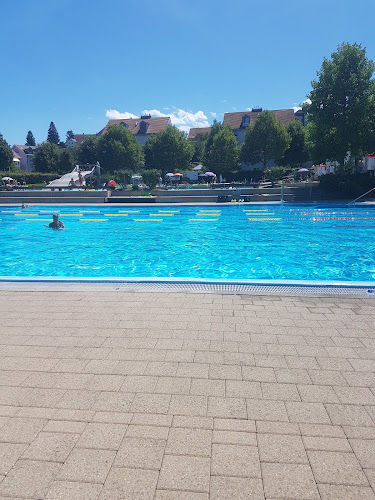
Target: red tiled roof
x=79 y=138
x=155 y=124
x=16 y=156
x=284 y=116
x=193 y=132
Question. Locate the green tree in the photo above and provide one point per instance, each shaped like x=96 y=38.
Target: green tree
x=215 y=129
x=168 y=151
x=151 y=177
x=199 y=144
x=46 y=157
x=275 y=174
x=6 y=154
x=119 y=150
x=224 y=152
x=69 y=135
x=53 y=135
x=87 y=151
x=339 y=113
x=297 y=151
x=123 y=177
x=66 y=161
x=30 y=139
x=266 y=140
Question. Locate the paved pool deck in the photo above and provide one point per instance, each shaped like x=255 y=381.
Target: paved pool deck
x=113 y=395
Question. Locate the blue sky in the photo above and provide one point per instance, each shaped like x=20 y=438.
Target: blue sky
x=78 y=62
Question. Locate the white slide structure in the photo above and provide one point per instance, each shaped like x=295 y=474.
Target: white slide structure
x=64 y=181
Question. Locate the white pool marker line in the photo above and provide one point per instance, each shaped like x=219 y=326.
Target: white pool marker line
x=93 y=220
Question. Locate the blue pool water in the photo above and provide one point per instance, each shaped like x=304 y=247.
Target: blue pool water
x=293 y=242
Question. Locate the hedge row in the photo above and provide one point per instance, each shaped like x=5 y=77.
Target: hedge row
x=30 y=177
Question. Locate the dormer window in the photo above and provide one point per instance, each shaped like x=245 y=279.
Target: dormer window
x=245 y=121
x=125 y=124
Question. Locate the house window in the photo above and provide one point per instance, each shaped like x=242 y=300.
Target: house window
x=125 y=124
x=245 y=121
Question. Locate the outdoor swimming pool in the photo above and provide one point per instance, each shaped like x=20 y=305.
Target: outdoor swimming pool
x=242 y=241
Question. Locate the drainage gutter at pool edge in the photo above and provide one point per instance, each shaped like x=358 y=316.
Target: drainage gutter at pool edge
x=360 y=289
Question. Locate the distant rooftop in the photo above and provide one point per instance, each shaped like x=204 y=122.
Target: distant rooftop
x=153 y=125
x=234 y=120
x=196 y=131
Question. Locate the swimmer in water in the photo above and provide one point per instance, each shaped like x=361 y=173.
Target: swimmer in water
x=56 y=223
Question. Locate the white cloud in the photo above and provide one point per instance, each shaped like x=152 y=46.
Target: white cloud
x=307 y=101
x=213 y=114
x=183 y=120
x=296 y=108
x=113 y=114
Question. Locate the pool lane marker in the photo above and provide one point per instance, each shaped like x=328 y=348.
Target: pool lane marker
x=129 y=211
x=161 y=215
x=258 y=219
x=93 y=220
x=116 y=215
x=203 y=220
x=148 y=220
x=39 y=220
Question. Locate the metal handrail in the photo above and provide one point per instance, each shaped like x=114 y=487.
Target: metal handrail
x=359 y=197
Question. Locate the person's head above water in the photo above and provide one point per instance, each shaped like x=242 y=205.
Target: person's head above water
x=55 y=217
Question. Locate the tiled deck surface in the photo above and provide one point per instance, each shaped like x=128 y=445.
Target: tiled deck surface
x=120 y=395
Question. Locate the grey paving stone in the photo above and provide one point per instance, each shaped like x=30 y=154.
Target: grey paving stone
x=51 y=446
x=185 y=441
x=150 y=403
x=140 y=453
x=9 y=454
x=240 y=488
x=102 y=436
x=87 y=465
x=129 y=484
x=266 y=410
x=334 y=492
x=337 y=468
x=185 y=473
x=188 y=405
x=29 y=479
x=364 y=450
x=235 y=460
x=179 y=495
x=60 y=490
x=281 y=448
x=289 y=481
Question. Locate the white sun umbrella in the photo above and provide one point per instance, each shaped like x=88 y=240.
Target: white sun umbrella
x=7 y=179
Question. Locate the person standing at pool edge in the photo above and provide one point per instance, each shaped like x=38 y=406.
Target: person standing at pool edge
x=56 y=223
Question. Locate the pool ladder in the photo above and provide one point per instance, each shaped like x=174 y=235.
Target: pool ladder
x=359 y=197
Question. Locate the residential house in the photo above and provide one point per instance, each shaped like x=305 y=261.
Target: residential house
x=239 y=121
x=142 y=127
x=25 y=155
x=77 y=140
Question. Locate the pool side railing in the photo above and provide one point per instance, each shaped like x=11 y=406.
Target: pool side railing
x=359 y=197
